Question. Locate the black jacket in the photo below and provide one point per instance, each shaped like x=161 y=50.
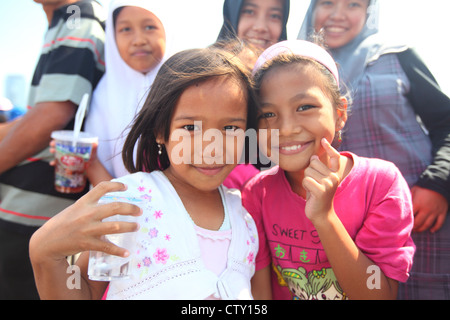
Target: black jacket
x=433 y=108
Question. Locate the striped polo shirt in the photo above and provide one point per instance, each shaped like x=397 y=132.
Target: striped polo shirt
x=71 y=64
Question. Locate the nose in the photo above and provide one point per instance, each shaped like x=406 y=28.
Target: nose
x=139 y=39
x=208 y=147
x=338 y=11
x=260 y=24
x=288 y=126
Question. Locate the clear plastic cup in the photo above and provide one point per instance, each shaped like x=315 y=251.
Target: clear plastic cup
x=106 y=267
x=71 y=160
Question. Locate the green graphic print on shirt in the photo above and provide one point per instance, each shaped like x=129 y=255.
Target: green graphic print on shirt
x=315 y=285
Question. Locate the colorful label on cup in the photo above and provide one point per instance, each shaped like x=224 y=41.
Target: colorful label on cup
x=72 y=161
x=70 y=167
x=83 y=151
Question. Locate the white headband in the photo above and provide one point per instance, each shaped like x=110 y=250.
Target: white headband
x=299 y=48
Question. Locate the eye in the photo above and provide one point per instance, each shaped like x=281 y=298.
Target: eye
x=191 y=127
x=355 y=5
x=150 y=27
x=124 y=29
x=276 y=16
x=266 y=115
x=305 y=108
x=231 y=128
x=326 y=3
x=247 y=11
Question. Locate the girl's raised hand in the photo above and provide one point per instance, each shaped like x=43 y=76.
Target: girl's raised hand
x=80 y=228
x=320 y=182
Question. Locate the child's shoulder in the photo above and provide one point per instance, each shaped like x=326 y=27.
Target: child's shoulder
x=263 y=181
x=140 y=180
x=373 y=169
x=267 y=176
x=233 y=200
x=232 y=196
x=136 y=177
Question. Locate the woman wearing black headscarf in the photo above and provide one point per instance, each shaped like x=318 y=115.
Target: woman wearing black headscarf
x=258 y=22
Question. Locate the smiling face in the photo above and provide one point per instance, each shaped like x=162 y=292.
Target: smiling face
x=340 y=20
x=295 y=102
x=260 y=22
x=140 y=38
x=215 y=108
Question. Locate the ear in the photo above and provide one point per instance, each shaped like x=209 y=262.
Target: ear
x=341 y=114
x=159 y=138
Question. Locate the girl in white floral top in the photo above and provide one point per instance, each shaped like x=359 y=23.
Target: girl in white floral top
x=194 y=238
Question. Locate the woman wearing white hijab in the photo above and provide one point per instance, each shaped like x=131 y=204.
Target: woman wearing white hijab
x=122 y=90
x=391 y=87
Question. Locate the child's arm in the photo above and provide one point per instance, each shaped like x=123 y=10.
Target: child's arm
x=77 y=229
x=261 y=286
x=349 y=264
x=95 y=170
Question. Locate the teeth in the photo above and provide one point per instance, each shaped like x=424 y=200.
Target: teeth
x=257 y=41
x=292 y=148
x=335 y=29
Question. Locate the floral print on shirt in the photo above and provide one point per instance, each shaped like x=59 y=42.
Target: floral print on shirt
x=149 y=232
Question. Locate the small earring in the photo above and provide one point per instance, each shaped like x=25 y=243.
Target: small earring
x=159 y=149
x=339 y=136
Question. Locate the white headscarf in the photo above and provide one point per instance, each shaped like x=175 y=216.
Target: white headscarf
x=367 y=46
x=122 y=90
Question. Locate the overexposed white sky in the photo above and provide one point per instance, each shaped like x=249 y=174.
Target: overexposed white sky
x=424 y=24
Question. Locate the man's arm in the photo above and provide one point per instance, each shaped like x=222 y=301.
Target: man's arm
x=31 y=133
x=6 y=126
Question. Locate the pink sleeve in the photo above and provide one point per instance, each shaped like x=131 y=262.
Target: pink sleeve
x=385 y=236
x=252 y=201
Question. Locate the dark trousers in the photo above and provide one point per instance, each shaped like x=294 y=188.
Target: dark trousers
x=16 y=273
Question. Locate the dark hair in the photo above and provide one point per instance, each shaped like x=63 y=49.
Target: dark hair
x=115 y=14
x=335 y=90
x=182 y=70
x=287 y=59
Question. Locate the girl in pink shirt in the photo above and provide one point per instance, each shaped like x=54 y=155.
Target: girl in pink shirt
x=331 y=225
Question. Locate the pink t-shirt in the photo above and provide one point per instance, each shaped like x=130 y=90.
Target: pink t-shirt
x=374 y=204
x=240 y=175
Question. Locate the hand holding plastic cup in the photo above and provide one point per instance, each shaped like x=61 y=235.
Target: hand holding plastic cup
x=106 y=267
x=71 y=159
